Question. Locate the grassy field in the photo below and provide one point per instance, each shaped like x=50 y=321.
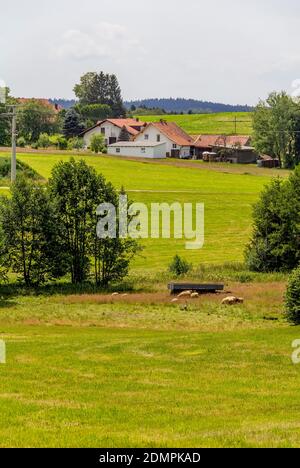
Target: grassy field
x=87 y=371
x=228 y=192
x=222 y=123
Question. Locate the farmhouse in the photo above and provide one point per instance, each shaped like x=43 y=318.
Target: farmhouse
x=177 y=142
x=111 y=130
x=136 y=149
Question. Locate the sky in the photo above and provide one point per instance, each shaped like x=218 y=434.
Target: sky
x=232 y=51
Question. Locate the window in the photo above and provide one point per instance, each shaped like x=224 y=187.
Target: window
x=103 y=131
x=118 y=150
x=143 y=150
x=146 y=137
x=174 y=146
x=158 y=138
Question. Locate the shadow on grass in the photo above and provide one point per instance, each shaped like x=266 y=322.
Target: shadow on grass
x=15 y=289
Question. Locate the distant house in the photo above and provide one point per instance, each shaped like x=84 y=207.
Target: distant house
x=177 y=142
x=138 y=149
x=112 y=128
x=205 y=143
x=45 y=102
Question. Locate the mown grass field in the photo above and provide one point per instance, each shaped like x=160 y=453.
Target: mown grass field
x=228 y=195
x=90 y=370
x=222 y=123
x=85 y=372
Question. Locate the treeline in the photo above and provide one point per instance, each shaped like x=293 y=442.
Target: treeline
x=49 y=231
x=276 y=129
x=180 y=105
x=41 y=124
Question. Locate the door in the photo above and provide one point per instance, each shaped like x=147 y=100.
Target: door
x=175 y=153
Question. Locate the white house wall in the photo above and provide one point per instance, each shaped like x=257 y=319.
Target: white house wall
x=111 y=131
x=153 y=132
x=149 y=152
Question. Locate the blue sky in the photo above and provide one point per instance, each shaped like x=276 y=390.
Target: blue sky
x=232 y=52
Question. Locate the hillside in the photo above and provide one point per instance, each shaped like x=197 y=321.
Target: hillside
x=223 y=123
x=228 y=197
x=186 y=105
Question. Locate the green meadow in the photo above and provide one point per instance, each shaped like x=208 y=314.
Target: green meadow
x=85 y=369
x=222 y=123
x=228 y=198
x=83 y=373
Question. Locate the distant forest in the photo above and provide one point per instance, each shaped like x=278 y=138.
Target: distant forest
x=179 y=105
x=65 y=103
x=172 y=105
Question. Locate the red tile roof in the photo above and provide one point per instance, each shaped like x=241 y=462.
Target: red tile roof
x=44 y=102
x=206 y=141
x=172 y=131
x=132 y=126
x=125 y=123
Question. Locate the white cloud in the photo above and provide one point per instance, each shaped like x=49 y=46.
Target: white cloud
x=103 y=40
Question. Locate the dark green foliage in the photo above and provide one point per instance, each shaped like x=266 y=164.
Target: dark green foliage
x=21 y=142
x=31 y=234
x=44 y=140
x=292 y=298
x=92 y=113
x=275 y=244
x=78 y=190
x=22 y=168
x=124 y=135
x=62 y=143
x=5 y=128
x=97 y=143
x=179 y=266
x=101 y=88
x=276 y=124
x=72 y=124
x=35 y=118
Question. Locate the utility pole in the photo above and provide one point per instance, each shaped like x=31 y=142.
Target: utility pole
x=14 y=145
x=13 y=115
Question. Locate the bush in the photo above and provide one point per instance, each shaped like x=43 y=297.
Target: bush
x=97 y=143
x=275 y=243
x=179 y=266
x=44 y=140
x=22 y=168
x=21 y=142
x=62 y=143
x=76 y=143
x=54 y=140
x=292 y=298
x=35 y=145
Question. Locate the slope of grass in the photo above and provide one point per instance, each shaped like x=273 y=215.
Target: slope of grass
x=81 y=373
x=222 y=123
x=228 y=199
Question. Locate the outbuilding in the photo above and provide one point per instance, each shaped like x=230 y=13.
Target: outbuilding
x=136 y=149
